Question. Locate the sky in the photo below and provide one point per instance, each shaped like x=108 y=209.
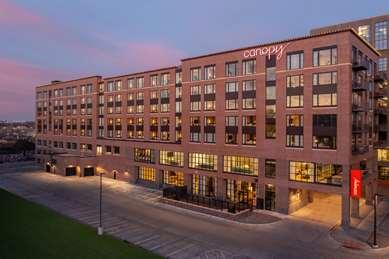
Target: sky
x=45 y=40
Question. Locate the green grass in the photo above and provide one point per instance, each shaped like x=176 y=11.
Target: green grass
x=28 y=230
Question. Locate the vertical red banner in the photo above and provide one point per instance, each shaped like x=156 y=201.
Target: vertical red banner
x=355 y=183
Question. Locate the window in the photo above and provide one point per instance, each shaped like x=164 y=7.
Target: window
x=154 y=80
x=270 y=74
x=383 y=64
x=364 y=32
x=322 y=97
x=99 y=150
x=232 y=69
x=249 y=67
x=144 y=155
x=140 y=82
x=210 y=72
x=249 y=94
x=165 y=79
x=240 y=165
x=301 y=171
x=325 y=78
x=383 y=173
x=325 y=57
x=194 y=136
x=383 y=155
x=195 y=106
x=381 y=35
x=171 y=158
x=195 y=90
x=195 y=74
x=209 y=105
x=328 y=174
x=294 y=131
x=270 y=168
x=231 y=87
x=270 y=92
x=209 y=89
x=131 y=83
x=295 y=81
x=295 y=61
x=203 y=185
x=146 y=173
x=116 y=150
x=324 y=131
x=203 y=161
x=173 y=178
x=178 y=77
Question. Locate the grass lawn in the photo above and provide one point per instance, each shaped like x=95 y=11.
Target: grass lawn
x=28 y=230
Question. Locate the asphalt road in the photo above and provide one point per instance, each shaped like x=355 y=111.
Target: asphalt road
x=288 y=238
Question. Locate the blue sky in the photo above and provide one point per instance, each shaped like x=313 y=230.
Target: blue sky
x=45 y=40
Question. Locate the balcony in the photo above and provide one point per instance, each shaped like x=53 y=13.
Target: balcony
x=359 y=150
x=381 y=109
x=359 y=86
x=380 y=77
x=380 y=92
x=358 y=108
x=359 y=65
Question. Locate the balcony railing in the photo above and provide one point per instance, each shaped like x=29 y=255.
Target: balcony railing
x=380 y=77
x=359 y=65
x=359 y=86
x=360 y=150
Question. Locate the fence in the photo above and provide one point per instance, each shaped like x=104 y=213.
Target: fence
x=181 y=194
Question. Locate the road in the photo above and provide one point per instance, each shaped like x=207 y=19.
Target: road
x=134 y=214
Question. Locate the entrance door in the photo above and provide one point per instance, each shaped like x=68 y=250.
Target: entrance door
x=270 y=197
x=70 y=171
x=89 y=171
x=48 y=168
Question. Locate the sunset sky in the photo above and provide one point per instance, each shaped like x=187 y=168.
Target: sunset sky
x=44 y=40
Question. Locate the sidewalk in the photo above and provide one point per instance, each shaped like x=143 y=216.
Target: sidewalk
x=361 y=236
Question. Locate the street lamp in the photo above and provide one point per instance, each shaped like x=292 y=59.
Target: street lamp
x=100 y=227
x=375 y=245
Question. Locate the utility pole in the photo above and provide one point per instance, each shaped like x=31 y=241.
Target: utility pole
x=100 y=228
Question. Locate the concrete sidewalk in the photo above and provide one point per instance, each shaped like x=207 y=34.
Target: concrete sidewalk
x=361 y=236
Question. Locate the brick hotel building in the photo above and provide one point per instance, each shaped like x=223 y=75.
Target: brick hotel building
x=279 y=125
x=375 y=31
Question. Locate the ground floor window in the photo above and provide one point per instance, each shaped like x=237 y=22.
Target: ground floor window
x=383 y=172
x=147 y=173
x=315 y=173
x=173 y=178
x=203 y=185
x=240 y=191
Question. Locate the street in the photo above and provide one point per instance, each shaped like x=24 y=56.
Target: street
x=134 y=213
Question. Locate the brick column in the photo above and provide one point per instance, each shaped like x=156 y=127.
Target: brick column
x=345 y=196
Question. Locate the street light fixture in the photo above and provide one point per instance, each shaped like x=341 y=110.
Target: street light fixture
x=100 y=227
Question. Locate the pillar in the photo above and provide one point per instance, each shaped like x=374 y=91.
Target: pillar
x=345 y=196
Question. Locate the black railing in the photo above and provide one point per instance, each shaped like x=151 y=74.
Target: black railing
x=180 y=194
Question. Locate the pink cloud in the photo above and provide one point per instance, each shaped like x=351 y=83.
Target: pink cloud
x=15 y=15
x=18 y=82
x=147 y=55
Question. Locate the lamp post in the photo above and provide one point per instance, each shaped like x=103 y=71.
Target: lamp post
x=375 y=245
x=100 y=227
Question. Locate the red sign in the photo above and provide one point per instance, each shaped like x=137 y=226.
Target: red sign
x=356 y=183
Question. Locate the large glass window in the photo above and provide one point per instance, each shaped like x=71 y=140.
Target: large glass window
x=383 y=155
x=249 y=66
x=240 y=165
x=315 y=173
x=324 y=131
x=383 y=172
x=144 y=155
x=203 y=161
x=383 y=64
x=203 y=185
x=173 y=178
x=195 y=74
x=364 y=32
x=326 y=78
x=231 y=68
x=146 y=173
x=171 y=158
x=301 y=171
x=325 y=57
x=381 y=35
x=295 y=61
x=210 y=72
